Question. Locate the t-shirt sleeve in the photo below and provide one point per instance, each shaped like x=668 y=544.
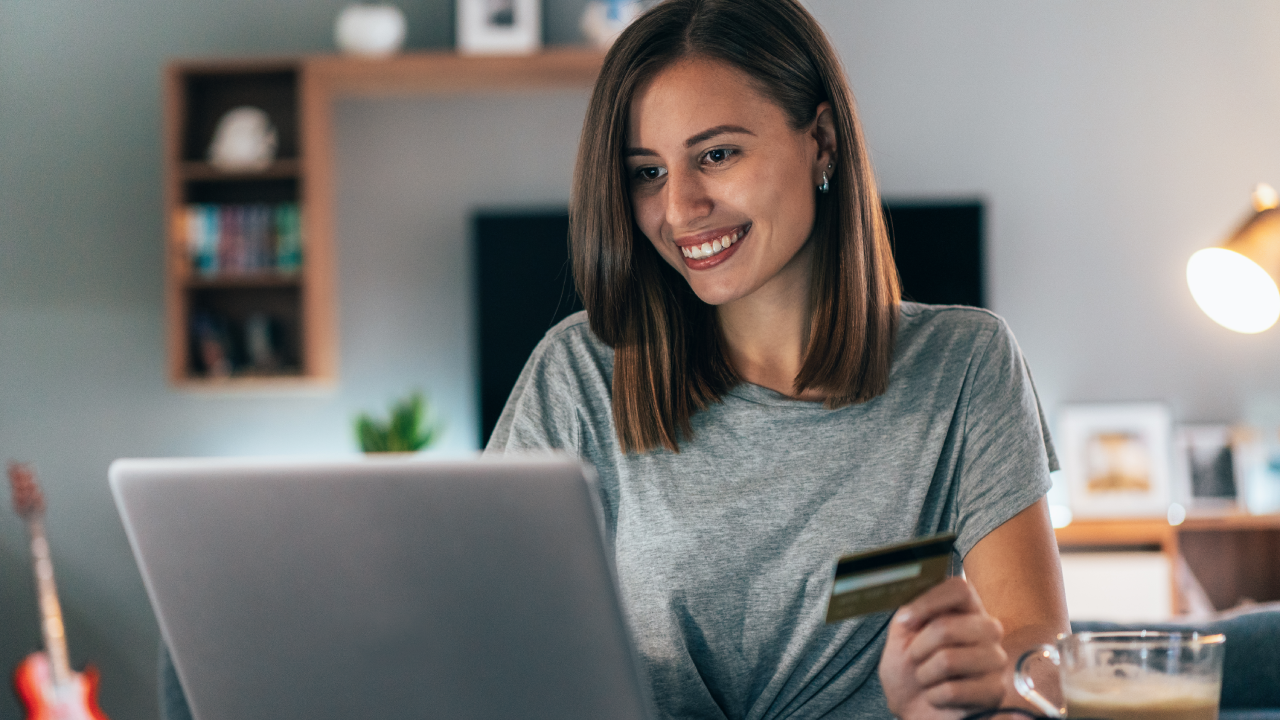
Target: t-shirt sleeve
x=1007 y=454
x=541 y=412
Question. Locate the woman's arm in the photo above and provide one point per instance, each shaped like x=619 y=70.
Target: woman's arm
x=1015 y=571
x=950 y=651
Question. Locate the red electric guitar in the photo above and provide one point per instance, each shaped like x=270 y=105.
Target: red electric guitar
x=45 y=682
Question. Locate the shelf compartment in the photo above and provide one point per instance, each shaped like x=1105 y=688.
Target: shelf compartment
x=239 y=331
x=211 y=93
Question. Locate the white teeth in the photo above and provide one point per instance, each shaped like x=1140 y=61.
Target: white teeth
x=713 y=247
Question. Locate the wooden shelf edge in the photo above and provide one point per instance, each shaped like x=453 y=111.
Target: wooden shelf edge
x=1086 y=533
x=223 y=65
x=448 y=71
x=1154 y=531
x=256 y=384
x=1235 y=521
x=198 y=171
x=242 y=281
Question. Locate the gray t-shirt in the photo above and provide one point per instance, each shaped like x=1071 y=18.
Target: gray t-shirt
x=725 y=551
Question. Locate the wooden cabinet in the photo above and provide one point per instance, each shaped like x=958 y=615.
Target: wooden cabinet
x=242 y=278
x=244 y=314
x=1234 y=557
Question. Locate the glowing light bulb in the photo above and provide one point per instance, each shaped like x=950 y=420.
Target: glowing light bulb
x=1233 y=290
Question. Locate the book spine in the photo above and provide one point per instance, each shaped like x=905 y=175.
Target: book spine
x=289 y=238
x=210 y=241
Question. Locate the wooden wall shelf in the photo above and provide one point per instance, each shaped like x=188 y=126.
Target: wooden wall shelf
x=246 y=280
x=298 y=93
x=191 y=170
x=1222 y=551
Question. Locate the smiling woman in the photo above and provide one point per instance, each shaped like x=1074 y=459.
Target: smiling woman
x=757 y=401
x=761 y=79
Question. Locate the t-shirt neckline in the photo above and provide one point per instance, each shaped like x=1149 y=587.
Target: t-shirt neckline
x=762 y=395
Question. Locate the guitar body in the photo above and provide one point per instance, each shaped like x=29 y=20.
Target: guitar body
x=43 y=700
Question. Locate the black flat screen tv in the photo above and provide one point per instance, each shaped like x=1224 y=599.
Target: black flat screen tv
x=524 y=286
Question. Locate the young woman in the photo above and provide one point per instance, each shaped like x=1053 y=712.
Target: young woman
x=757 y=401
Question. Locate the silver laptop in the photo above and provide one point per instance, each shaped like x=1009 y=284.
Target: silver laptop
x=382 y=588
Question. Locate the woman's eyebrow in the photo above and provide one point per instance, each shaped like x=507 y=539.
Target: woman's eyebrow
x=717 y=130
x=700 y=137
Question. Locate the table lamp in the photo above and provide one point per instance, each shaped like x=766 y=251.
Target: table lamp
x=1235 y=284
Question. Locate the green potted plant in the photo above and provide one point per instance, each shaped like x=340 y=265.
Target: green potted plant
x=409 y=428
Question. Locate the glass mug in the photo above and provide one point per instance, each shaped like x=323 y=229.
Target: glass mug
x=1140 y=675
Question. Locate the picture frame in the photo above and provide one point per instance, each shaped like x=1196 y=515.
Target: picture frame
x=499 y=27
x=1209 y=470
x=1116 y=459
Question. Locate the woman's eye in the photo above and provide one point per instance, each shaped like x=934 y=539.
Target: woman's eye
x=649 y=174
x=717 y=156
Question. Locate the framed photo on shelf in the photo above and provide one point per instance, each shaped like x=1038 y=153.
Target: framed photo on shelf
x=1207 y=470
x=499 y=27
x=1115 y=457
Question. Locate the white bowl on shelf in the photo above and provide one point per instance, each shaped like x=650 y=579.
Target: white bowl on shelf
x=370 y=30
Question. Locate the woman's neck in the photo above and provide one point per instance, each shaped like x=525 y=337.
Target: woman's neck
x=766 y=333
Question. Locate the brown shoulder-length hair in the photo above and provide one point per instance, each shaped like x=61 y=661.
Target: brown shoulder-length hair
x=669 y=359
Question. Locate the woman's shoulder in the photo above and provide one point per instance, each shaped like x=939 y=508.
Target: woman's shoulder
x=919 y=320
x=567 y=378
x=572 y=337
x=927 y=331
x=570 y=352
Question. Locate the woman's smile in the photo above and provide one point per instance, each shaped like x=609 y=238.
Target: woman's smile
x=708 y=249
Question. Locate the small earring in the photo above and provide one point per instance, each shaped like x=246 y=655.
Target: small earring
x=826 y=185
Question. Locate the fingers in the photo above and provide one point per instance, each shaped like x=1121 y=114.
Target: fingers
x=951 y=648
x=951 y=596
x=954 y=630
x=969 y=694
x=959 y=663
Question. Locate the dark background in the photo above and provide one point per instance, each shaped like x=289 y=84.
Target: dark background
x=524 y=284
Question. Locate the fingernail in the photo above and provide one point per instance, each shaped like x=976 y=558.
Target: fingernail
x=904 y=617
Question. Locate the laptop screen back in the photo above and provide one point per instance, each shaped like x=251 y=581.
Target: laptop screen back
x=381 y=588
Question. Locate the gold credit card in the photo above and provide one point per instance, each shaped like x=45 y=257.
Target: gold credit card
x=884 y=578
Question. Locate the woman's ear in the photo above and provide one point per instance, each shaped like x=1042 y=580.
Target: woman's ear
x=824 y=134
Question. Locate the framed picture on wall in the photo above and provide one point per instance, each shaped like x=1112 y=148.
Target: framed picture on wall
x=1116 y=459
x=1208 y=474
x=499 y=27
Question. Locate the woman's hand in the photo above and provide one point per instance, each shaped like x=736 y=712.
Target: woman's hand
x=943 y=659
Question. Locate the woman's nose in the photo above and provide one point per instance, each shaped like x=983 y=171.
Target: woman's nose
x=687 y=198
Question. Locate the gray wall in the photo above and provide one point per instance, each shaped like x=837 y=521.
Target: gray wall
x=1110 y=140
x=81 y=338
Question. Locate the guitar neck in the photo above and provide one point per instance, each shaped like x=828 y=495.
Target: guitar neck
x=55 y=639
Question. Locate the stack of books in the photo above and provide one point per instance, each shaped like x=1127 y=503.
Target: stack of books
x=231 y=239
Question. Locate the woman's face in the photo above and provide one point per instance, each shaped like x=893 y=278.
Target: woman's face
x=721 y=184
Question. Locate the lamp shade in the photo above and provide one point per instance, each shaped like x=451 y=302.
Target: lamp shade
x=1236 y=284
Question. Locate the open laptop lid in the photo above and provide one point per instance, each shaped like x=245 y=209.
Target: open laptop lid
x=383 y=588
